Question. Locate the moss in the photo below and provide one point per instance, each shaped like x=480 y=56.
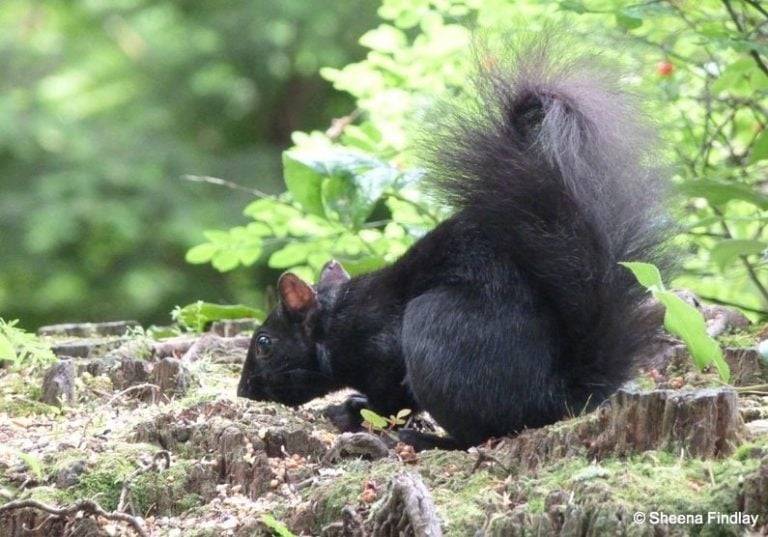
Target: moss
x=104 y=482
x=345 y=490
x=463 y=508
x=190 y=501
x=19 y=396
x=749 y=450
x=165 y=492
x=51 y=495
x=602 y=494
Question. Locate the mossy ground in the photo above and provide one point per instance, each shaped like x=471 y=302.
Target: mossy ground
x=495 y=494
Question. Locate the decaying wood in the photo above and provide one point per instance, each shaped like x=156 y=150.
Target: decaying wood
x=59 y=383
x=755 y=493
x=406 y=509
x=172 y=377
x=705 y=423
x=218 y=349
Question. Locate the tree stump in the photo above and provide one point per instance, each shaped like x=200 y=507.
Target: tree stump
x=59 y=383
x=218 y=349
x=129 y=372
x=171 y=377
x=755 y=494
x=705 y=423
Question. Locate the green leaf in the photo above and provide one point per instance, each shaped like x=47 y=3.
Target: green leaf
x=574 y=6
x=729 y=250
x=293 y=253
x=216 y=236
x=258 y=229
x=720 y=192
x=7 y=351
x=733 y=75
x=647 y=274
x=686 y=322
x=759 y=148
x=225 y=260
x=341 y=185
x=199 y=314
x=277 y=527
x=629 y=19
x=362 y=265
x=682 y=320
x=340 y=200
x=304 y=178
x=202 y=253
x=376 y=421
x=385 y=38
x=248 y=255
x=403 y=413
x=704 y=222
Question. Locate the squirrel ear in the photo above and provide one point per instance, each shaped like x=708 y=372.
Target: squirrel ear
x=296 y=295
x=329 y=287
x=332 y=273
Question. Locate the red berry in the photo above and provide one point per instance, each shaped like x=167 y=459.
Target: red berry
x=665 y=68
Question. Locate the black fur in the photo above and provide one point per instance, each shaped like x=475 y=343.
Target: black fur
x=513 y=313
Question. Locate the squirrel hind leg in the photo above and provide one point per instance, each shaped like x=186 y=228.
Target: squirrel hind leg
x=481 y=365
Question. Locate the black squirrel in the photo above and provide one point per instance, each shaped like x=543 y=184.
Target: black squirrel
x=514 y=312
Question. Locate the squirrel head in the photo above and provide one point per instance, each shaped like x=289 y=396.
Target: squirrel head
x=287 y=361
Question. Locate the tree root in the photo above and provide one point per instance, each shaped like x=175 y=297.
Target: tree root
x=89 y=507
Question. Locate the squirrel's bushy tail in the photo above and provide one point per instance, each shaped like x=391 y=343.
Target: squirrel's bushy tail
x=559 y=166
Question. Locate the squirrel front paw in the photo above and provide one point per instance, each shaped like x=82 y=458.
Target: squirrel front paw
x=346 y=416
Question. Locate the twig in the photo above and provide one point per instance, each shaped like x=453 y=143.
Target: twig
x=750 y=268
x=223 y=182
x=88 y=507
x=758 y=7
x=338 y=125
x=154 y=387
x=126 y=489
x=484 y=456
x=743 y=307
x=755 y=55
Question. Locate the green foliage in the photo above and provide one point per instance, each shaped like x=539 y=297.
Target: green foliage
x=682 y=320
x=34 y=464
x=332 y=195
x=197 y=316
x=23 y=349
x=277 y=527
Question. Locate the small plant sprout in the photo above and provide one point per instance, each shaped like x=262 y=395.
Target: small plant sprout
x=373 y=422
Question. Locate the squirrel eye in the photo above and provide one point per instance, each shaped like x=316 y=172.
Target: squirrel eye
x=263 y=345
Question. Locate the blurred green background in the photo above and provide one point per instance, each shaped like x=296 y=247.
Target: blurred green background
x=106 y=104
x=106 y=107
